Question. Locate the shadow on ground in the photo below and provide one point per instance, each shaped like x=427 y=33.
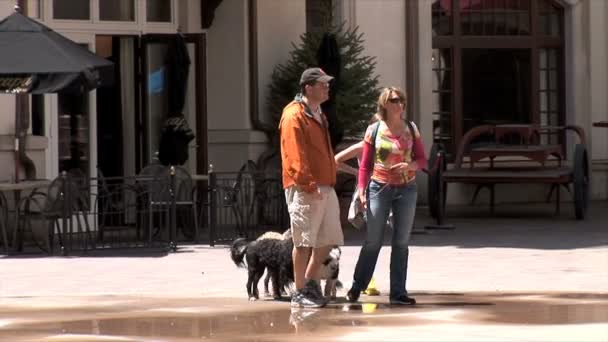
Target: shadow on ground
x=522 y=226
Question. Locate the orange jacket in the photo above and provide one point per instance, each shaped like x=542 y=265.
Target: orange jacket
x=306 y=153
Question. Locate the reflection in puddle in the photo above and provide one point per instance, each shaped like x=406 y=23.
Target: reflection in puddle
x=166 y=326
x=148 y=319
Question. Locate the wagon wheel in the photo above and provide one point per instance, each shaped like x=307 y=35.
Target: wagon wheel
x=580 y=180
x=435 y=181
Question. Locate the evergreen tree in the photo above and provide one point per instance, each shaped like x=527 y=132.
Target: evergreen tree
x=357 y=86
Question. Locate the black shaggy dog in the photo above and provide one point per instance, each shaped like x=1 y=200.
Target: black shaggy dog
x=329 y=271
x=272 y=235
x=275 y=255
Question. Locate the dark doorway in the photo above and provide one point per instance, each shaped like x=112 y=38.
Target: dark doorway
x=495 y=86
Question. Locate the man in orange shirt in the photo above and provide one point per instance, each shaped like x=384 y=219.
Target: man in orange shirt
x=309 y=175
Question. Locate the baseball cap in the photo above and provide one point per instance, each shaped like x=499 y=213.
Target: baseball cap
x=314 y=75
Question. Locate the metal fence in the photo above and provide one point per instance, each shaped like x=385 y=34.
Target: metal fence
x=246 y=204
x=159 y=208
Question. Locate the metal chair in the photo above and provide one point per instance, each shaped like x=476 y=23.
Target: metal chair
x=156 y=182
x=152 y=184
x=116 y=203
x=186 y=200
x=4 y=220
x=240 y=197
x=63 y=201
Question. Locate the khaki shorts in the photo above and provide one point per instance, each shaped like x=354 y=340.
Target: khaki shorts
x=314 y=222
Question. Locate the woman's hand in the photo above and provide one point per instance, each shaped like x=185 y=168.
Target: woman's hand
x=400 y=167
x=362 y=198
x=404 y=167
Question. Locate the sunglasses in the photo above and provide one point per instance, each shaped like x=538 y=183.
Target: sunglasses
x=395 y=100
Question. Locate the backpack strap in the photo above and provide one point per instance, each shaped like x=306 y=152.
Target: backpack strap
x=374 y=135
x=413 y=131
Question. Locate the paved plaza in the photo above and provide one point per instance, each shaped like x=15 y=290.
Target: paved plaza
x=522 y=274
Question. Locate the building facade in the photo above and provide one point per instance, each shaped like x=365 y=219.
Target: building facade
x=462 y=63
x=111 y=129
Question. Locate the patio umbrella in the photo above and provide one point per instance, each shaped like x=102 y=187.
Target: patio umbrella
x=178 y=67
x=37 y=60
x=328 y=59
x=176 y=134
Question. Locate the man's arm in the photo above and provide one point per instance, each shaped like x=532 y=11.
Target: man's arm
x=293 y=143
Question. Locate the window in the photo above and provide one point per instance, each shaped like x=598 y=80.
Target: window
x=158 y=10
x=549 y=23
x=496 y=62
x=442 y=95
x=157 y=94
x=442 y=18
x=99 y=11
x=71 y=10
x=548 y=90
x=117 y=10
x=495 y=87
x=73 y=132
x=494 y=17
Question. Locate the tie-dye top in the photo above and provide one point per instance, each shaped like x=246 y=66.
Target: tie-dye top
x=390 y=150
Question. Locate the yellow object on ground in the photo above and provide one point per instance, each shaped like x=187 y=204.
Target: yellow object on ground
x=369 y=307
x=371 y=289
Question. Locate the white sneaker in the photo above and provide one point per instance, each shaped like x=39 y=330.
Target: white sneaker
x=305 y=299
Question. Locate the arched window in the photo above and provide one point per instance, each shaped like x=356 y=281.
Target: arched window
x=496 y=61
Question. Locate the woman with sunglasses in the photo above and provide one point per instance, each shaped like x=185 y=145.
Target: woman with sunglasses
x=387 y=181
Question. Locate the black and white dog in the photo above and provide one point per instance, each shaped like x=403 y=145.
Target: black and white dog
x=330 y=269
x=269 y=252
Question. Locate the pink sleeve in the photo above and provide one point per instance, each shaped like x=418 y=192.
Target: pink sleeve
x=367 y=165
x=419 y=153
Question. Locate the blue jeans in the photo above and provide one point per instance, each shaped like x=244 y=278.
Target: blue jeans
x=381 y=198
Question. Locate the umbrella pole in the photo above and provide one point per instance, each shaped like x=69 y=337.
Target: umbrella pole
x=21 y=127
x=18 y=109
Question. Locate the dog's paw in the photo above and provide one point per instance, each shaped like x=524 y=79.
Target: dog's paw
x=267 y=294
x=252 y=299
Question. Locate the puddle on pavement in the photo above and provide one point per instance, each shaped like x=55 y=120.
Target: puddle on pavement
x=149 y=319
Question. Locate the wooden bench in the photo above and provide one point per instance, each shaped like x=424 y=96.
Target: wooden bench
x=511 y=154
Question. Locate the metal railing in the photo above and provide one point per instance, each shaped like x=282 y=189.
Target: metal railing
x=159 y=208
x=245 y=204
